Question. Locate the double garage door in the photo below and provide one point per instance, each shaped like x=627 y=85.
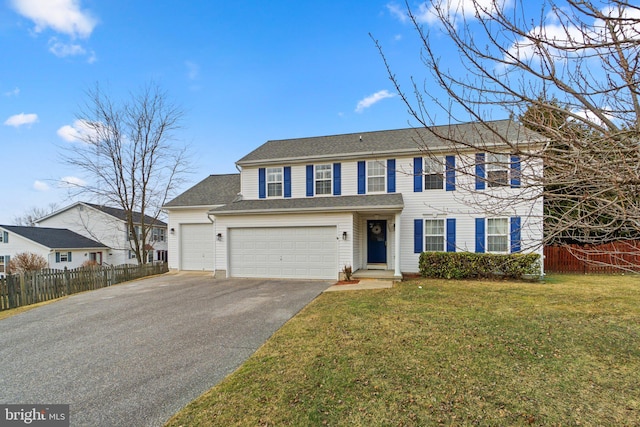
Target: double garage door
x=284 y=252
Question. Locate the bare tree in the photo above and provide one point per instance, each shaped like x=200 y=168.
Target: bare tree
x=129 y=156
x=33 y=214
x=571 y=72
x=26 y=261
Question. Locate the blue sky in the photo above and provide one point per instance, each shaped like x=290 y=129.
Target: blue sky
x=244 y=72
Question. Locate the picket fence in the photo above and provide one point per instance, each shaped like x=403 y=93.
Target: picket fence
x=609 y=258
x=33 y=287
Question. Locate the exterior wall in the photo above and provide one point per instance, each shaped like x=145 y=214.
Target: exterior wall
x=101 y=227
x=18 y=244
x=177 y=217
x=342 y=221
x=464 y=204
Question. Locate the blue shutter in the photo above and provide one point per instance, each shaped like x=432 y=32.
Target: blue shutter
x=287 y=181
x=450 y=173
x=262 y=185
x=309 y=180
x=451 y=234
x=5 y=236
x=7 y=260
x=515 y=234
x=361 y=178
x=480 y=235
x=417 y=174
x=480 y=171
x=57 y=256
x=391 y=175
x=69 y=256
x=515 y=171
x=418 y=232
x=337 y=179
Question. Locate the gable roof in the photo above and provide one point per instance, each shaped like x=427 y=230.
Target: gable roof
x=409 y=140
x=117 y=213
x=54 y=238
x=378 y=202
x=211 y=191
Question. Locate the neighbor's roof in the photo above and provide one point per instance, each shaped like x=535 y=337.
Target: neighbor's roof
x=117 y=213
x=410 y=140
x=54 y=238
x=211 y=191
x=391 y=202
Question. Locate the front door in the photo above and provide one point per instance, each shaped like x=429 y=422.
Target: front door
x=376 y=241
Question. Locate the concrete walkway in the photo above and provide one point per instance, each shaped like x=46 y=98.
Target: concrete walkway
x=363 y=284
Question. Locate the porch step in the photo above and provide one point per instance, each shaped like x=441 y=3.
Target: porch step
x=374 y=274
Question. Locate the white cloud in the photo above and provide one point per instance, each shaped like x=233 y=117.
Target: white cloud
x=62 y=16
x=80 y=131
x=14 y=92
x=398 y=11
x=72 y=181
x=61 y=49
x=40 y=186
x=372 y=99
x=21 y=119
x=456 y=9
x=193 y=70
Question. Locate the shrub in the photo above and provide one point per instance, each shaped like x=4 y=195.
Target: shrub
x=468 y=265
x=27 y=261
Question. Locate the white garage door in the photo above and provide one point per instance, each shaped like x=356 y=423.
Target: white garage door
x=287 y=252
x=196 y=248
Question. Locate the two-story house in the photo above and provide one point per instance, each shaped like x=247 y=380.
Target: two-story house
x=61 y=248
x=374 y=200
x=108 y=225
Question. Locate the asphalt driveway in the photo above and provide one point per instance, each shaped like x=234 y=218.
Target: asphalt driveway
x=135 y=353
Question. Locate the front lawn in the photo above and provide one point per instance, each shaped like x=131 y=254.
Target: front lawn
x=432 y=352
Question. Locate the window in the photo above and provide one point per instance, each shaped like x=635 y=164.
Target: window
x=498 y=235
x=376 y=177
x=433 y=173
x=4 y=237
x=274 y=182
x=157 y=234
x=63 y=256
x=2 y=264
x=498 y=170
x=150 y=256
x=323 y=179
x=434 y=235
x=132 y=255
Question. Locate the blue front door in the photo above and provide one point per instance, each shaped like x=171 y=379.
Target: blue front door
x=376 y=241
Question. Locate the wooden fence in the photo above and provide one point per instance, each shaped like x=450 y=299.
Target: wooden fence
x=617 y=257
x=29 y=288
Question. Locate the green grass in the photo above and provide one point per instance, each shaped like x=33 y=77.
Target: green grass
x=434 y=352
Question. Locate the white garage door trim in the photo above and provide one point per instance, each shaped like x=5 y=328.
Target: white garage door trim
x=284 y=252
x=196 y=247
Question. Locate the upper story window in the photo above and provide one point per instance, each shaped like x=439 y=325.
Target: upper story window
x=4 y=237
x=157 y=234
x=497 y=235
x=323 y=179
x=433 y=173
x=434 y=235
x=274 y=182
x=498 y=170
x=376 y=177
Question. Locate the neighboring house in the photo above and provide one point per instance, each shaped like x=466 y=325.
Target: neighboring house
x=108 y=226
x=371 y=200
x=61 y=248
x=191 y=237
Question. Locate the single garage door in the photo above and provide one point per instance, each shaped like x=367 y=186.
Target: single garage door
x=284 y=252
x=196 y=247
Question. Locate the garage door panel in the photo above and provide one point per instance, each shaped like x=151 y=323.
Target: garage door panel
x=287 y=252
x=196 y=248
